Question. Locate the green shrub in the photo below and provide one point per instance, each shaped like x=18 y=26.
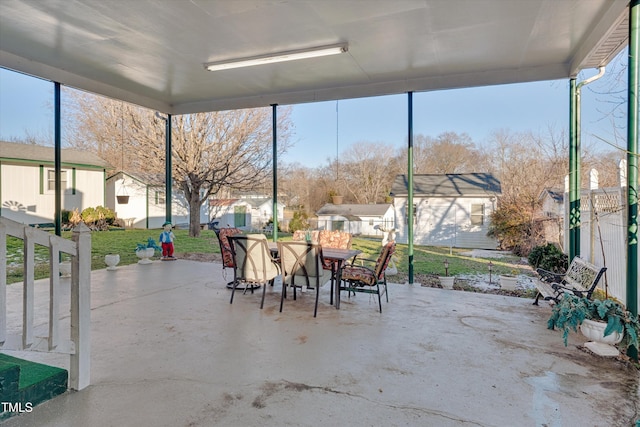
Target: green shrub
x=97 y=215
x=65 y=216
x=299 y=221
x=548 y=257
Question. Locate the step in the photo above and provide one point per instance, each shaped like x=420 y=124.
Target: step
x=25 y=384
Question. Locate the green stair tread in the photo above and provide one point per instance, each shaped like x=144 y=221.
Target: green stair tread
x=9 y=377
x=23 y=381
x=32 y=372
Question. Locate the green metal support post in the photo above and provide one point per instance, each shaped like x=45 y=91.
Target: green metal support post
x=574 y=173
x=57 y=160
x=168 y=179
x=274 y=109
x=632 y=164
x=410 y=188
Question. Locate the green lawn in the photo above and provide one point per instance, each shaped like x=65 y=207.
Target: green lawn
x=427 y=260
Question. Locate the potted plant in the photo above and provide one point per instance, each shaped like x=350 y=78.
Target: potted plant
x=144 y=251
x=336 y=198
x=572 y=312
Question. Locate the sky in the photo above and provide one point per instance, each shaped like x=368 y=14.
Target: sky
x=323 y=129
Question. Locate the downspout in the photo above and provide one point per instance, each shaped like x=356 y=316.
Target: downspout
x=575 y=164
x=632 y=165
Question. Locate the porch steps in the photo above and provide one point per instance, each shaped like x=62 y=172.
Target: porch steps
x=25 y=384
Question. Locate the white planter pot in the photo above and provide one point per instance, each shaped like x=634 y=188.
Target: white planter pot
x=508 y=282
x=447 y=282
x=111 y=260
x=598 y=343
x=144 y=255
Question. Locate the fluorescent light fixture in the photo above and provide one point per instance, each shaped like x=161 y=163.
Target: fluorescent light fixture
x=291 y=55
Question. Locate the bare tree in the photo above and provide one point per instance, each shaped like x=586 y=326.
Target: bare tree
x=210 y=151
x=368 y=171
x=295 y=186
x=449 y=152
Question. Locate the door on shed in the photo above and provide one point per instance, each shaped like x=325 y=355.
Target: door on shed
x=240 y=216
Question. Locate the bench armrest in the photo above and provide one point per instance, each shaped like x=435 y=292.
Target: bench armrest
x=561 y=288
x=549 y=276
x=361 y=261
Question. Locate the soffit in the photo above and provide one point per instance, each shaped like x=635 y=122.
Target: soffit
x=151 y=52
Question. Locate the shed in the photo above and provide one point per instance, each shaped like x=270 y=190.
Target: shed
x=356 y=219
x=449 y=209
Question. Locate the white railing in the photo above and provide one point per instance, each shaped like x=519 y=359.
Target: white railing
x=79 y=248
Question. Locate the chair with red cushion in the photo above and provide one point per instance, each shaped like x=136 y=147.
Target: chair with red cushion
x=225 y=250
x=360 y=278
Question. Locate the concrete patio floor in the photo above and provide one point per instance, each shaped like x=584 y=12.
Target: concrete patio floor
x=169 y=350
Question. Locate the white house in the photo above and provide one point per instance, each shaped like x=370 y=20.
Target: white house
x=552 y=207
x=140 y=200
x=261 y=210
x=248 y=212
x=27 y=182
x=356 y=219
x=449 y=209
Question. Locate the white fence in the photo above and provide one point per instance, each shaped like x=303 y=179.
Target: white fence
x=78 y=344
x=603 y=235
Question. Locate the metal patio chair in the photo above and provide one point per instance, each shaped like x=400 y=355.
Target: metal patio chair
x=360 y=278
x=254 y=265
x=301 y=265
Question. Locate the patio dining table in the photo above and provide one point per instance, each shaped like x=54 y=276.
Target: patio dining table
x=337 y=257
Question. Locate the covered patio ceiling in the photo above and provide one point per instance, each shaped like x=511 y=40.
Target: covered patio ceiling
x=151 y=52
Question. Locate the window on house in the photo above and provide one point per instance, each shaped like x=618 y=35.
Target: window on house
x=160 y=197
x=51 y=180
x=415 y=214
x=477 y=214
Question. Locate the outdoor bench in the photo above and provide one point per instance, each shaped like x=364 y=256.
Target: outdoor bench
x=581 y=279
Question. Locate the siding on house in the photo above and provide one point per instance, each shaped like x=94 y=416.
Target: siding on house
x=226 y=212
x=553 y=214
x=250 y=213
x=262 y=211
x=25 y=172
x=446 y=222
x=146 y=207
x=450 y=209
x=358 y=219
x=552 y=202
